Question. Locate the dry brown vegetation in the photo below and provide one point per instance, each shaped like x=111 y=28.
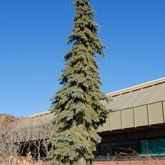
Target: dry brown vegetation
x=147 y=161
x=28 y=161
x=17 y=140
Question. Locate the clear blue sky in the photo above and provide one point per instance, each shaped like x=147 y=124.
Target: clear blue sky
x=33 y=36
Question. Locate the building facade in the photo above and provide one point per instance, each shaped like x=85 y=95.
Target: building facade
x=135 y=122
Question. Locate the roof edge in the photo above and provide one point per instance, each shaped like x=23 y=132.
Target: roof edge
x=119 y=92
x=40 y=114
x=137 y=87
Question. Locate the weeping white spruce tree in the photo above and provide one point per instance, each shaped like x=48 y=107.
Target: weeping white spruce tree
x=77 y=105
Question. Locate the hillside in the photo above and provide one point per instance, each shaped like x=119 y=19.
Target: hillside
x=6 y=120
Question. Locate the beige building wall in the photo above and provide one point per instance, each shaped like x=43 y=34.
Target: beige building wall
x=139 y=106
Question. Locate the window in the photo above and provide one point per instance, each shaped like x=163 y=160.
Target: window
x=153 y=147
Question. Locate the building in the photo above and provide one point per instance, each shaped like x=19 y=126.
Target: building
x=136 y=120
x=135 y=123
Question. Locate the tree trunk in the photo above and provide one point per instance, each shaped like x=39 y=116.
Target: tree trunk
x=83 y=161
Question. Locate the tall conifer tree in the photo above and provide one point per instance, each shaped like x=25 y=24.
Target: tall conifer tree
x=77 y=105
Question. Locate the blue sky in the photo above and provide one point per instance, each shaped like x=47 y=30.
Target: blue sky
x=33 y=37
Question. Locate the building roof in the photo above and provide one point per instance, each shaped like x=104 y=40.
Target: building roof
x=142 y=94
x=140 y=105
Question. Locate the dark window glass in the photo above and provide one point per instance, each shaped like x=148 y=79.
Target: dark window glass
x=155 y=147
x=113 y=149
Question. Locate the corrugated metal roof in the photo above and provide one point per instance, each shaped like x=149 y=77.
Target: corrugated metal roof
x=143 y=94
x=138 y=95
x=35 y=127
x=37 y=120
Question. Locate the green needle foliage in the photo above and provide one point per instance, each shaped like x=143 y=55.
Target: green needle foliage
x=78 y=106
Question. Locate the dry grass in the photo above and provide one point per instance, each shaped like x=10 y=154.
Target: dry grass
x=148 y=160
x=21 y=160
x=27 y=161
